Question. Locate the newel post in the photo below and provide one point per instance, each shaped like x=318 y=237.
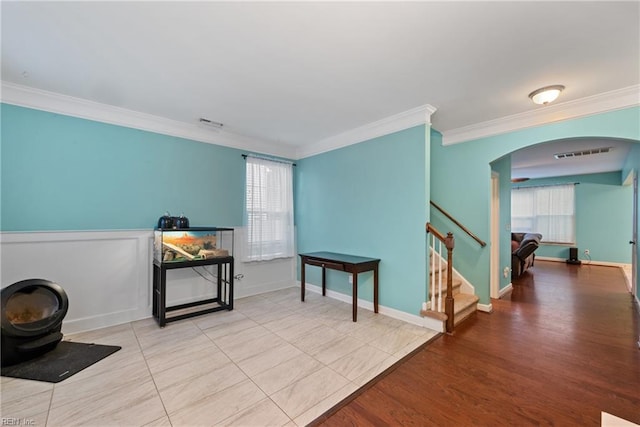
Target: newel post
x=448 y=302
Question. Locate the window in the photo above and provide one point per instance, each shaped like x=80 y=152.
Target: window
x=548 y=210
x=269 y=210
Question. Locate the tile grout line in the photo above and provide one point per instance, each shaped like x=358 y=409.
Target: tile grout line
x=268 y=396
x=46 y=421
x=287 y=341
x=221 y=390
x=135 y=334
x=242 y=370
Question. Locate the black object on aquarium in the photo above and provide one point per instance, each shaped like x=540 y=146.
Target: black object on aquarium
x=181 y=222
x=165 y=221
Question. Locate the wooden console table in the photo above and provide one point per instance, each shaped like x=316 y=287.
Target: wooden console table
x=341 y=262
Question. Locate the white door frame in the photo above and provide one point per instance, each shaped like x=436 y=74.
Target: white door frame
x=634 y=238
x=495 y=236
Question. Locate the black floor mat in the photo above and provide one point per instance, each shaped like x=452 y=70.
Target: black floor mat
x=68 y=358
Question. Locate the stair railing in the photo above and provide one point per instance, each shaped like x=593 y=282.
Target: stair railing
x=456 y=222
x=449 y=244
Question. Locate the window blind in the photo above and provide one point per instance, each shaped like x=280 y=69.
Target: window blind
x=269 y=210
x=548 y=210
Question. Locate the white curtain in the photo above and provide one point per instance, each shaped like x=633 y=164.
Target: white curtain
x=548 y=210
x=269 y=210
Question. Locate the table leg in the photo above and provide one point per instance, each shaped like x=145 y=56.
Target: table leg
x=231 y=286
x=156 y=290
x=355 y=296
x=219 y=286
x=324 y=281
x=162 y=310
x=375 y=289
x=302 y=281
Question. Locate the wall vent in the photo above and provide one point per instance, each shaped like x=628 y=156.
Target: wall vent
x=210 y=123
x=581 y=153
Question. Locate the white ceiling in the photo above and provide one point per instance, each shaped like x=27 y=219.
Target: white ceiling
x=538 y=161
x=295 y=73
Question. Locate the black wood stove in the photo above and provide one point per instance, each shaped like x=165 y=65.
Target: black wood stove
x=32 y=313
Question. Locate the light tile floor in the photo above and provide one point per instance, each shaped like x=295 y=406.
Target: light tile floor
x=272 y=361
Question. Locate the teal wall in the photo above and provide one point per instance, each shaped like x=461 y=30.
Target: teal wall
x=65 y=173
x=369 y=199
x=503 y=167
x=461 y=175
x=461 y=185
x=603 y=217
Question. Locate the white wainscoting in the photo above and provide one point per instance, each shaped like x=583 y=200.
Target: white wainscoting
x=261 y=276
x=107 y=274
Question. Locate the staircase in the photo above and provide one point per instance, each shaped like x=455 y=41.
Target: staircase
x=451 y=299
x=464 y=301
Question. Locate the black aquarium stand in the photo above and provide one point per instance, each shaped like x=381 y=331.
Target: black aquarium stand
x=224 y=284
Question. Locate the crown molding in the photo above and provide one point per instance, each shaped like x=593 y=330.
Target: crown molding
x=405 y=120
x=607 y=101
x=24 y=96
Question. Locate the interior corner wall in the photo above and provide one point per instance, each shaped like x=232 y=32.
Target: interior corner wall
x=460 y=178
x=368 y=199
x=602 y=217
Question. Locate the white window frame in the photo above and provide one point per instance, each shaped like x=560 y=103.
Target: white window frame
x=268 y=210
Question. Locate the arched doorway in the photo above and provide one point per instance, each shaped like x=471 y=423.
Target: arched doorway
x=599 y=163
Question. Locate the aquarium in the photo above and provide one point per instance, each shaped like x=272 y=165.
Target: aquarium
x=192 y=244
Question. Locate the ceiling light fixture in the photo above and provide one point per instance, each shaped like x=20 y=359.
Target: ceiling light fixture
x=545 y=95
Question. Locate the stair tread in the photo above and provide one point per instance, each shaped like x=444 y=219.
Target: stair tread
x=433 y=271
x=462 y=301
x=457 y=284
x=467 y=305
x=463 y=304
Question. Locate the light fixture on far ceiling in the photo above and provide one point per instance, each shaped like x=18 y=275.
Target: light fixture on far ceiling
x=546 y=95
x=519 y=179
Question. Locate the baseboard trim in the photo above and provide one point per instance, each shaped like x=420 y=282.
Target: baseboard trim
x=100 y=321
x=387 y=311
x=586 y=262
x=242 y=292
x=505 y=290
x=487 y=308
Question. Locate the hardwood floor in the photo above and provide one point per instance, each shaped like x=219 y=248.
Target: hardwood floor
x=557 y=350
